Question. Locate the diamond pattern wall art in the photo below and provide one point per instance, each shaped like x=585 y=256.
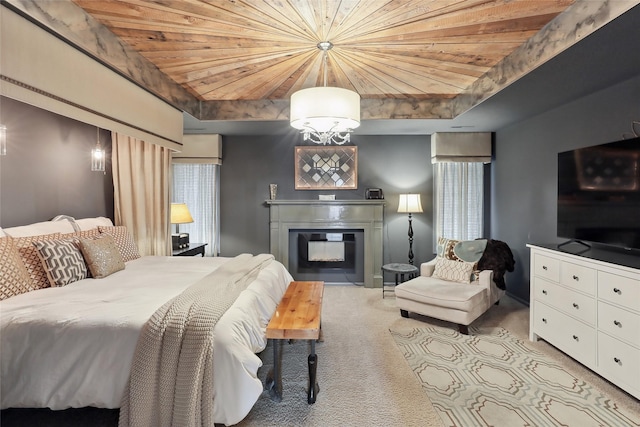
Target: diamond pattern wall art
x=326 y=167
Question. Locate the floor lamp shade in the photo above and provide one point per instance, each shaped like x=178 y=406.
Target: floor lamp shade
x=410 y=203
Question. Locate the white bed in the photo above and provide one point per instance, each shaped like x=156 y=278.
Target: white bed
x=72 y=346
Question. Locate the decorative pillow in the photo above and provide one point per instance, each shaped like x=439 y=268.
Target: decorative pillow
x=124 y=241
x=29 y=255
x=14 y=278
x=455 y=271
x=62 y=261
x=102 y=256
x=84 y=234
x=445 y=248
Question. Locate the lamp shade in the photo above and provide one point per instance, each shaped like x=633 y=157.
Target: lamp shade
x=325 y=109
x=180 y=214
x=409 y=203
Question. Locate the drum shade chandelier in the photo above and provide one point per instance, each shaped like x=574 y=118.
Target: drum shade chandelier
x=325 y=115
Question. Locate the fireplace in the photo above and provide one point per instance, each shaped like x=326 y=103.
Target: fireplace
x=331 y=255
x=321 y=222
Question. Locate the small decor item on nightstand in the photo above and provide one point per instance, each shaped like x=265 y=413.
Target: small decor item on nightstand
x=180 y=215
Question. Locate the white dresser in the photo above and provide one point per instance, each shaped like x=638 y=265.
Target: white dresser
x=589 y=309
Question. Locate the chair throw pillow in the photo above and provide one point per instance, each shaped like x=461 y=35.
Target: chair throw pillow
x=62 y=261
x=102 y=256
x=455 y=271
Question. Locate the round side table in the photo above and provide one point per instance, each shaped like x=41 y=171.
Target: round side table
x=400 y=270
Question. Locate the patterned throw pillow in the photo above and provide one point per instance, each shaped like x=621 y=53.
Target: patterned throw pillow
x=455 y=271
x=124 y=241
x=14 y=279
x=102 y=256
x=29 y=255
x=62 y=261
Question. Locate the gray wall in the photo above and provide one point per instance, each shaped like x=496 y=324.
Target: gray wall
x=525 y=176
x=47 y=169
x=397 y=164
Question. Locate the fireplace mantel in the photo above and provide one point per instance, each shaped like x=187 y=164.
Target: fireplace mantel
x=367 y=215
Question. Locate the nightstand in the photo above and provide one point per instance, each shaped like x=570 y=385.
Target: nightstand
x=193 y=250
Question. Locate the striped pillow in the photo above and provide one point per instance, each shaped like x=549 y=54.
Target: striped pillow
x=62 y=261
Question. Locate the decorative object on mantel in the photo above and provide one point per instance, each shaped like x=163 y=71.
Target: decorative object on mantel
x=318 y=168
x=325 y=115
x=273 y=191
x=97 y=155
x=180 y=215
x=3 y=140
x=410 y=203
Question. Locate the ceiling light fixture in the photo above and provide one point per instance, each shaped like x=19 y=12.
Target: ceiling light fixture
x=325 y=115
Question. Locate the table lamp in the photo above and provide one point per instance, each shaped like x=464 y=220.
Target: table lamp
x=410 y=203
x=180 y=215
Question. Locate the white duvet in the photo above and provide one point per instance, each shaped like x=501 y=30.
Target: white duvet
x=73 y=346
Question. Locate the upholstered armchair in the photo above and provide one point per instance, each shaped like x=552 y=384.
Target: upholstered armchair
x=454 y=290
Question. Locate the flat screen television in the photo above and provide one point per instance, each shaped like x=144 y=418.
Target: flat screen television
x=599 y=194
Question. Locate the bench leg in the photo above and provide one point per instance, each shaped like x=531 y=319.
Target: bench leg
x=313 y=366
x=464 y=329
x=404 y=313
x=274 y=379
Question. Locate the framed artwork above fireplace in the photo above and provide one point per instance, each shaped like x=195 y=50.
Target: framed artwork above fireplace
x=326 y=167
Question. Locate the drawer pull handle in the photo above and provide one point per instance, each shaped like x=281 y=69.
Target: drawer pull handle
x=544 y=291
x=544 y=267
x=575 y=305
x=576 y=278
x=615 y=322
x=616 y=290
x=544 y=320
x=618 y=361
x=575 y=337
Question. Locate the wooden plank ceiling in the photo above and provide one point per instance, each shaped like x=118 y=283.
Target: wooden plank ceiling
x=223 y=50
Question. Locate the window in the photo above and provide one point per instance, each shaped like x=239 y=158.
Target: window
x=197 y=185
x=459 y=201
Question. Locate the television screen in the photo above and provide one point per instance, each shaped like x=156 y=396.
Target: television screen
x=599 y=194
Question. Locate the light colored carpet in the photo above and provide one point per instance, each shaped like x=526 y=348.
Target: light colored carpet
x=365 y=380
x=490 y=377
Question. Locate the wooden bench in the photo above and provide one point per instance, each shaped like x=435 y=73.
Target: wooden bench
x=297 y=317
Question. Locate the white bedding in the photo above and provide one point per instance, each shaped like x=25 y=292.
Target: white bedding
x=72 y=346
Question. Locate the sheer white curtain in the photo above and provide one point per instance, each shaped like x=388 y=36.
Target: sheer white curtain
x=197 y=185
x=459 y=200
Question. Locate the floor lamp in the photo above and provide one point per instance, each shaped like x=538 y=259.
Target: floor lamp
x=410 y=203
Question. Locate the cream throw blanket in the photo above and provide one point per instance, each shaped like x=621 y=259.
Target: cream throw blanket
x=171 y=374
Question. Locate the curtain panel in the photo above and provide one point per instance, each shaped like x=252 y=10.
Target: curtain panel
x=197 y=185
x=459 y=203
x=142 y=185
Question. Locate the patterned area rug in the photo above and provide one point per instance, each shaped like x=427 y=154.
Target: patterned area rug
x=491 y=378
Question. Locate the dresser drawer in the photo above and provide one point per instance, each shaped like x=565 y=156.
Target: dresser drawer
x=618 y=361
x=578 y=277
x=620 y=290
x=566 y=300
x=546 y=267
x=619 y=323
x=569 y=335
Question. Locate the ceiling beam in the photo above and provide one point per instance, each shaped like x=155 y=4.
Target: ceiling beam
x=73 y=25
